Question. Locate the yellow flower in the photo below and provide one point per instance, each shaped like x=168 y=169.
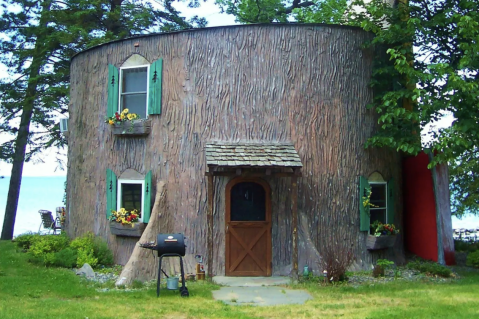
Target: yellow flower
x=122 y=116
x=131 y=116
x=124 y=111
x=111 y=122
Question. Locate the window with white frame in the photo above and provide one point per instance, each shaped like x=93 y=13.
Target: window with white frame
x=134 y=89
x=130 y=195
x=378 y=200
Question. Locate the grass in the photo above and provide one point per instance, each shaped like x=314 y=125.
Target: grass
x=29 y=291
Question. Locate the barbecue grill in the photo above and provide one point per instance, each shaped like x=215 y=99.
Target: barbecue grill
x=169 y=245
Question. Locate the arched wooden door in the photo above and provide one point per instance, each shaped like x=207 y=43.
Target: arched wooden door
x=248 y=228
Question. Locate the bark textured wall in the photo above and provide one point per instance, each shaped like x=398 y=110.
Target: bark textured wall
x=307 y=84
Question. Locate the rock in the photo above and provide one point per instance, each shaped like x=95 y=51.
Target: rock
x=86 y=271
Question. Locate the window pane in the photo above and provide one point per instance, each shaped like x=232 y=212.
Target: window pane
x=378 y=195
x=134 y=80
x=378 y=214
x=248 y=202
x=131 y=196
x=135 y=103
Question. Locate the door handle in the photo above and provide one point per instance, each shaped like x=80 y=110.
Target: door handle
x=227 y=228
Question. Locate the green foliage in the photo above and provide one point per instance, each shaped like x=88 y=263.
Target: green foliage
x=43 y=248
x=24 y=241
x=267 y=11
x=66 y=258
x=86 y=256
x=466 y=246
x=102 y=252
x=473 y=259
x=430 y=268
x=384 y=263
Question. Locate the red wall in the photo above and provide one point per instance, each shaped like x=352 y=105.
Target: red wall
x=420 y=232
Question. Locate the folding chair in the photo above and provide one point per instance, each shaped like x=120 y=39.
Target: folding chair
x=48 y=222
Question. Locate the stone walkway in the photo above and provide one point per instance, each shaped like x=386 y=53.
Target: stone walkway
x=257 y=291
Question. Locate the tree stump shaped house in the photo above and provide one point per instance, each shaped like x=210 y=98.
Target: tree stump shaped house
x=258 y=133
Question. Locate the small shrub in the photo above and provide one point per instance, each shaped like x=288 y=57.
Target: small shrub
x=86 y=257
x=337 y=256
x=84 y=246
x=44 y=247
x=102 y=252
x=66 y=258
x=466 y=246
x=430 y=268
x=24 y=241
x=473 y=259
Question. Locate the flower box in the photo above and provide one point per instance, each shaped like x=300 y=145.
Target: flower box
x=381 y=242
x=132 y=128
x=127 y=230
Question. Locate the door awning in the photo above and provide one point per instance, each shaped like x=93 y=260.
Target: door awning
x=248 y=154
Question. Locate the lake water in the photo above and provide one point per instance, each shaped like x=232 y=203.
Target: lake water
x=35 y=193
x=47 y=193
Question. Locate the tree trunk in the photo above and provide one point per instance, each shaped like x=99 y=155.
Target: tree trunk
x=135 y=268
x=21 y=142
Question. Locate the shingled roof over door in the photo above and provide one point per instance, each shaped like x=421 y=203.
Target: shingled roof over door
x=247 y=154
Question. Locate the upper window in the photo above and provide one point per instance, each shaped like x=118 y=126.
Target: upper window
x=136 y=86
x=134 y=90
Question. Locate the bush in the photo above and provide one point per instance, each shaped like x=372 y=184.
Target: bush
x=473 y=259
x=92 y=250
x=24 y=241
x=337 y=256
x=430 y=268
x=102 y=252
x=465 y=246
x=66 y=258
x=43 y=248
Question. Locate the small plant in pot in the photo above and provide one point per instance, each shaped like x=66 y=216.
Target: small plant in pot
x=381 y=266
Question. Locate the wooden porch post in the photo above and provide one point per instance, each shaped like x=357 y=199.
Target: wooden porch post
x=209 y=217
x=294 y=211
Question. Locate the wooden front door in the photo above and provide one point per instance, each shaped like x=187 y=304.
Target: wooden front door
x=248 y=228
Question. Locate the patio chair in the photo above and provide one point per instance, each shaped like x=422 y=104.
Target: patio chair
x=48 y=222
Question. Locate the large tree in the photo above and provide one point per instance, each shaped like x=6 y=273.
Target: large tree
x=38 y=40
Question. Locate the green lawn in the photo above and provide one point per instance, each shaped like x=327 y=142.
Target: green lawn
x=29 y=291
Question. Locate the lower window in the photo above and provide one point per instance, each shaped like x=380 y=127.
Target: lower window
x=130 y=195
x=378 y=209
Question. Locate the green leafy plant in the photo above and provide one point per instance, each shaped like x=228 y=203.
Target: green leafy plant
x=381 y=266
x=473 y=259
x=66 y=258
x=102 y=252
x=430 y=268
x=24 y=241
x=43 y=248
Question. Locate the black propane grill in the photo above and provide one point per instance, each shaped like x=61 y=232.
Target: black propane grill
x=169 y=245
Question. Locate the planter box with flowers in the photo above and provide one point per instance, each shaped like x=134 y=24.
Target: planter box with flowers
x=384 y=236
x=126 y=223
x=128 y=124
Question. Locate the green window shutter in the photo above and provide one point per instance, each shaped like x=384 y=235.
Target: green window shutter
x=391 y=202
x=364 y=219
x=147 y=196
x=113 y=87
x=154 y=87
x=111 y=184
